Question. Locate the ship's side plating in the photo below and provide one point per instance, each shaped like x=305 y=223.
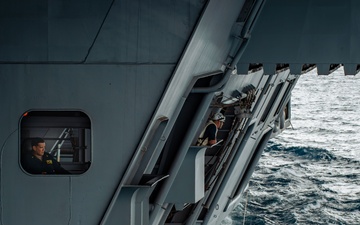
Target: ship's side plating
x=142 y=78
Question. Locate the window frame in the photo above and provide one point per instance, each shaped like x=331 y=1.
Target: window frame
x=67 y=134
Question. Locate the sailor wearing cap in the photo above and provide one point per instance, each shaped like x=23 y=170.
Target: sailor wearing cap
x=208 y=135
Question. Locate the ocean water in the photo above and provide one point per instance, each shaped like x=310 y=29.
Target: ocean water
x=310 y=174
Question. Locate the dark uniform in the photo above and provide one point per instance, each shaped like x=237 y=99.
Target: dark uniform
x=209 y=133
x=48 y=165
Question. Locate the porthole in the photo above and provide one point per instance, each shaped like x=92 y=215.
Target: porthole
x=55 y=142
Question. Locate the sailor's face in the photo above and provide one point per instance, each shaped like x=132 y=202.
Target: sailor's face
x=219 y=124
x=39 y=149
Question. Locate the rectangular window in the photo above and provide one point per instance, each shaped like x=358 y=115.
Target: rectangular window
x=65 y=137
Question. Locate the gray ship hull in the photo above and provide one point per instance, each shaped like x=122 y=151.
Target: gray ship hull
x=120 y=90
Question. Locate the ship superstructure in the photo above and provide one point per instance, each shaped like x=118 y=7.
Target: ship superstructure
x=121 y=89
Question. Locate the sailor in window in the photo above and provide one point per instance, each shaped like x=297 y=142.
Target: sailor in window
x=37 y=161
x=208 y=135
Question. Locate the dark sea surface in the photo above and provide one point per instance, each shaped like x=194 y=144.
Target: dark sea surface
x=310 y=174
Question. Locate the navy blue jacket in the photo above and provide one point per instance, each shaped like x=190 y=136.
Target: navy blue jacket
x=48 y=165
